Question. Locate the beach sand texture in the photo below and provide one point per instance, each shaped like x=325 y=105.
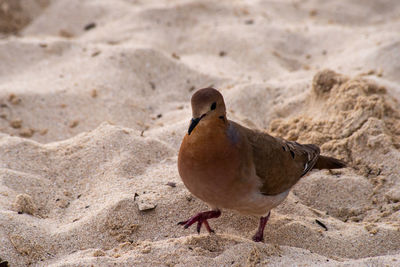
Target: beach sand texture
x=95 y=100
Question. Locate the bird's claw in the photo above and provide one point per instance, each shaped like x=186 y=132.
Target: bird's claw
x=201 y=218
x=257 y=238
x=183 y=223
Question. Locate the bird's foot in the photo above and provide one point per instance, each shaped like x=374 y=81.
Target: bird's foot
x=201 y=218
x=259 y=236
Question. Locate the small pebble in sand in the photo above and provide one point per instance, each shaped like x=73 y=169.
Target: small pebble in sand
x=93 y=93
x=13 y=99
x=24 y=204
x=276 y=53
x=152 y=85
x=189 y=198
x=65 y=34
x=222 y=53
x=175 y=56
x=73 y=124
x=146 y=202
x=96 y=53
x=89 y=26
x=98 y=253
x=27 y=132
x=43 y=131
x=313 y=13
x=16 y=124
x=171 y=184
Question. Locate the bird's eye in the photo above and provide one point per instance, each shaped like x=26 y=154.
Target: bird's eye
x=213 y=106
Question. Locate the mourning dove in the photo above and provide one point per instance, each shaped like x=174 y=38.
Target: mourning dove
x=229 y=166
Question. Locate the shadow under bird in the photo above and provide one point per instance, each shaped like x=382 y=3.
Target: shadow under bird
x=229 y=166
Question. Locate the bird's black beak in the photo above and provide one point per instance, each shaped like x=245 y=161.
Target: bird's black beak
x=193 y=124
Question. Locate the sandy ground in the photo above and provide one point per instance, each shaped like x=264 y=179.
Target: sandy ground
x=94 y=102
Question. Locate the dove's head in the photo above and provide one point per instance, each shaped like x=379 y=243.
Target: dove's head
x=207 y=104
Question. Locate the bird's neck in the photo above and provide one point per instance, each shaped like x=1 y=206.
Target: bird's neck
x=209 y=142
x=210 y=128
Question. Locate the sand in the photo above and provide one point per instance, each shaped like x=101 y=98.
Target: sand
x=95 y=99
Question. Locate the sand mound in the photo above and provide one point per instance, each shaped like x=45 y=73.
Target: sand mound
x=349 y=117
x=357 y=121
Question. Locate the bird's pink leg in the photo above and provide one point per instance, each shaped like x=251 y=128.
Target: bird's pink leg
x=201 y=218
x=259 y=236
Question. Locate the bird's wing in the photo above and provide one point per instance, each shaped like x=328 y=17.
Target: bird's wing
x=278 y=163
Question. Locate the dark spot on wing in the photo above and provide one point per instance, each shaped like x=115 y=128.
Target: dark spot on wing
x=291 y=153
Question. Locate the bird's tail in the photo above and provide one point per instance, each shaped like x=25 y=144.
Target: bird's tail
x=325 y=162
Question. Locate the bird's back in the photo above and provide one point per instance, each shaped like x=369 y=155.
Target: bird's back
x=279 y=163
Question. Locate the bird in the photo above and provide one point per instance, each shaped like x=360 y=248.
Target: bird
x=229 y=166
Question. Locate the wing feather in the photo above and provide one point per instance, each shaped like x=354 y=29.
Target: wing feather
x=279 y=163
